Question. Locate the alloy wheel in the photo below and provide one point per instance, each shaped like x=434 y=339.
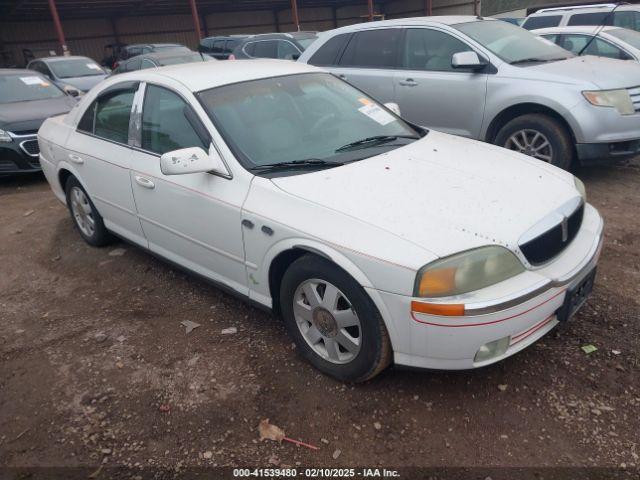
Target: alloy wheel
x=82 y=212
x=532 y=143
x=327 y=321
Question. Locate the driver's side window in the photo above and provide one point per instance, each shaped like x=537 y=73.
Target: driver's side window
x=430 y=50
x=168 y=123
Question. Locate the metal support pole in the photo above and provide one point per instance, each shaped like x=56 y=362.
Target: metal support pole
x=196 y=18
x=58 y=25
x=476 y=7
x=370 y=8
x=428 y=7
x=294 y=14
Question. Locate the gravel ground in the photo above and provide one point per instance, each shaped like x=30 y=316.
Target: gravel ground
x=96 y=368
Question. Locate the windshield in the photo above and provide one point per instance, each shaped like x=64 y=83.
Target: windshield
x=80 y=67
x=192 y=57
x=512 y=44
x=301 y=117
x=628 y=36
x=26 y=87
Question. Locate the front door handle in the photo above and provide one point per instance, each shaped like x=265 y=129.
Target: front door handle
x=343 y=77
x=144 y=182
x=76 y=158
x=409 y=82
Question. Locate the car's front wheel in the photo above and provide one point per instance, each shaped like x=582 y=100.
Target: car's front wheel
x=333 y=321
x=85 y=216
x=538 y=136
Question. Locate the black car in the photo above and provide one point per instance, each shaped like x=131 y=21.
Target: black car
x=160 y=59
x=285 y=46
x=220 y=47
x=27 y=99
x=136 y=49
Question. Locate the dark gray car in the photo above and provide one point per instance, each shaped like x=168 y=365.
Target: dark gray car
x=161 y=59
x=27 y=99
x=75 y=75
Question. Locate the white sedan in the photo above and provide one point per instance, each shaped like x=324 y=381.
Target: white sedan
x=375 y=240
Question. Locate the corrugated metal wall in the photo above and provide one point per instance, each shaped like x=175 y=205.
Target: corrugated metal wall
x=89 y=36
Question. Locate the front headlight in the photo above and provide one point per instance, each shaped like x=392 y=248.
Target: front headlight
x=5 y=137
x=467 y=271
x=618 y=99
x=581 y=188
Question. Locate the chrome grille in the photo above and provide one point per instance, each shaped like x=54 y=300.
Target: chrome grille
x=634 y=93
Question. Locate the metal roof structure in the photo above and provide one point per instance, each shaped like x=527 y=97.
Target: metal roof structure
x=17 y=10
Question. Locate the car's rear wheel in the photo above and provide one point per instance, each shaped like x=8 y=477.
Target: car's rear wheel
x=85 y=216
x=333 y=321
x=538 y=136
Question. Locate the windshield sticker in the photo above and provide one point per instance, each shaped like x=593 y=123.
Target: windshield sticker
x=377 y=114
x=93 y=66
x=365 y=101
x=32 y=81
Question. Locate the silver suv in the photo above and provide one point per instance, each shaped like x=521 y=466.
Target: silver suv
x=492 y=81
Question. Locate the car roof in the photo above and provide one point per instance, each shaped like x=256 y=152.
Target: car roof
x=289 y=35
x=588 y=29
x=235 y=35
x=583 y=9
x=205 y=75
x=62 y=58
x=164 y=54
x=17 y=71
x=434 y=20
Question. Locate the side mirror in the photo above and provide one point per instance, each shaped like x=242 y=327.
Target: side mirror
x=394 y=107
x=192 y=160
x=469 y=60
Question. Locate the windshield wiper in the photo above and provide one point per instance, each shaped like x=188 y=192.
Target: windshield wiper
x=308 y=162
x=376 y=140
x=535 y=59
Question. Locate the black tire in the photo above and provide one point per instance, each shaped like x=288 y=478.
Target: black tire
x=100 y=236
x=557 y=135
x=375 y=352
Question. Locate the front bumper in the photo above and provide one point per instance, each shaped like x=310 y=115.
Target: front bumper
x=519 y=317
x=21 y=155
x=606 y=153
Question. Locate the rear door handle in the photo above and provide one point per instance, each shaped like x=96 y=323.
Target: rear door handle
x=409 y=82
x=76 y=159
x=144 y=182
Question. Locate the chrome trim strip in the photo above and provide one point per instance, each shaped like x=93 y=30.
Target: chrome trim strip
x=27 y=136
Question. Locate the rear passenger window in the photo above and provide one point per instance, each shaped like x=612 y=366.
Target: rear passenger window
x=595 y=18
x=265 y=49
x=328 y=53
x=86 y=122
x=373 y=49
x=168 y=123
x=627 y=19
x=543 y=21
x=112 y=116
x=431 y=50
x=287 y=50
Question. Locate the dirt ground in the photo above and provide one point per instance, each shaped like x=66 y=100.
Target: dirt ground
x=96 y=368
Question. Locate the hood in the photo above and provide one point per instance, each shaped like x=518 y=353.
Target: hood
x=83 y=84
x=604 y=73
x=28 y=116
x=445 y=194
